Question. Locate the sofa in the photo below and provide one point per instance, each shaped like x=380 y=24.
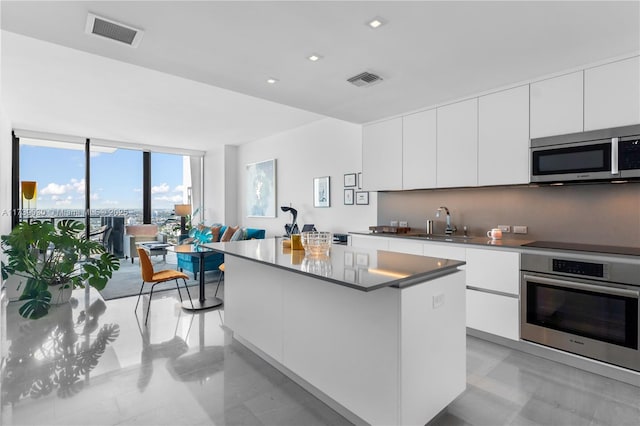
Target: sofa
x=190 y=263
x=135 y=234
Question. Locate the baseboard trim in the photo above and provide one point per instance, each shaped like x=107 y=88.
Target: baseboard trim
x=577 y=361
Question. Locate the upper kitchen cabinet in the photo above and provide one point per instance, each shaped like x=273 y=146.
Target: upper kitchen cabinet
x=503 y=137
x=419 y=150
x=382 y=155
x=612 y=94
x=557 y=105
x=457 y=144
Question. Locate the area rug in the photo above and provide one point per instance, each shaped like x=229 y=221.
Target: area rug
x=127 y=280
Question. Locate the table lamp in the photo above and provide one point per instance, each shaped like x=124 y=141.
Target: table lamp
x=182 y=210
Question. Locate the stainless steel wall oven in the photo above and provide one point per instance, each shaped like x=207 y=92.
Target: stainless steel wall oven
x=583 y=306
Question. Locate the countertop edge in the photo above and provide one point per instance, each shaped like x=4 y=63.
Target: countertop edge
x=397 y=283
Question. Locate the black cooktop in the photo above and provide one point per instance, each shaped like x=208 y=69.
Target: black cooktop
x=594 y=248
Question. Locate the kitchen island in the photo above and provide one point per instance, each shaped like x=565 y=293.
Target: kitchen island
x=377 y=335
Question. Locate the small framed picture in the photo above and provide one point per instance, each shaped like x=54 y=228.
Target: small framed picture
x=362 y=197
x=348 y=197
x=359 y=180
x=321 y=194
x=350 y=179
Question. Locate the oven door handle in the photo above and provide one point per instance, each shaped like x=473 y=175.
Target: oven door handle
x=614 y=291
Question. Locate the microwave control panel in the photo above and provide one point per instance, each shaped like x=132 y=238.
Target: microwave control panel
x=629 y=154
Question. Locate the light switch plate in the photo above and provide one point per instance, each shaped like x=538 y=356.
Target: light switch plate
x=519 y=229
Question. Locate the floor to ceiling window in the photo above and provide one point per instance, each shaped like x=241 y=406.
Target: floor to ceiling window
x=52 y=180
x=170 y=186
x=116 y=183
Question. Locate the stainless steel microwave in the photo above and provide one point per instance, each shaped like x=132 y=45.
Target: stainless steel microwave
x=598 y=155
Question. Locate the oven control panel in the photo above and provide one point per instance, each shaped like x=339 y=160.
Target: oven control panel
x=576 y=267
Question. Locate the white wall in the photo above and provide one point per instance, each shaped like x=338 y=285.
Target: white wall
x=328 y=147
x=214 y=189
x=5 y=172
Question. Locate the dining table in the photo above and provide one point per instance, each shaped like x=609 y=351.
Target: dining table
x=201 y=252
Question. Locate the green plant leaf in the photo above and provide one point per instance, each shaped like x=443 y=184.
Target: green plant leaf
x=36 y=307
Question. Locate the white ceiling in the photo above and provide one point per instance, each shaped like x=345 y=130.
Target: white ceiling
x=211 y=60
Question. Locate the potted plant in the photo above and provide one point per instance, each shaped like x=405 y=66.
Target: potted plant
x=54 y=259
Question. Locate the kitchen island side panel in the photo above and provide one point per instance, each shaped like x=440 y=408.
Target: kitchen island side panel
x=253 y=303
x=344 y=342
x=432 y=347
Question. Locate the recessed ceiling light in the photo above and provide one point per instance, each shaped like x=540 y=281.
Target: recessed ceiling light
x=272 y=80
x=314 y=57
x=376 y=22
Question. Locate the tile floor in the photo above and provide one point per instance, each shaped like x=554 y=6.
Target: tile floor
x=91 y=363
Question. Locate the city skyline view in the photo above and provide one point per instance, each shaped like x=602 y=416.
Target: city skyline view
x=116 y=181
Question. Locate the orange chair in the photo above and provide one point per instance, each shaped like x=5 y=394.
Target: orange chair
x=150 y=276
x=221 y=268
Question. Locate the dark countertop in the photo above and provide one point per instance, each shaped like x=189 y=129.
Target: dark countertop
x=478 y=241
x=354 y=267
x=522 y=245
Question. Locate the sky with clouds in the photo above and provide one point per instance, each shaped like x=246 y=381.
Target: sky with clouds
x=116 y=178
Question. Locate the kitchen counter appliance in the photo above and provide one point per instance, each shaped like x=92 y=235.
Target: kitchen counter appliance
x=598 y=155
x=574 y=303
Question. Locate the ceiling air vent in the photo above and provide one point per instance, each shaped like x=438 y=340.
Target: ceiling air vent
x=113 y=30
x=365 y=79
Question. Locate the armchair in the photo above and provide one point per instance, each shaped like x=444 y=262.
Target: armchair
x=135 y=234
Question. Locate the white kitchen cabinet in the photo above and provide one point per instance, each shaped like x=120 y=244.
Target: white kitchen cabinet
x=402 y=245
x=457 y=156
x=419 y=150
x=557 y=105
x=503 y=137
x=371 y=242
x=382 y=155
x=493 y=314
x=493 y=270
x=444 y=250
x=612 y=94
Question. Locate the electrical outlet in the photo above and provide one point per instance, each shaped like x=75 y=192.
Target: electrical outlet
x=394 y=223
x=504 y=228
x=403 y=224
x=438 y=300
x=518 y=229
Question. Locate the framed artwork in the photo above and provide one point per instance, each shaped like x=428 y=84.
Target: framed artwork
x=362 y=197
x=321 y=192
x=348 y=197
x=261 y=189
x=350 y=179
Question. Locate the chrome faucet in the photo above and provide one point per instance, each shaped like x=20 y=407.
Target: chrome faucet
x=449 y=229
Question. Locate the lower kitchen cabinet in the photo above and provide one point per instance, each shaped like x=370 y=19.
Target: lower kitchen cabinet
x=405 y=246
x=446 y=251
x=378 y=243
x=493 y=313
x=492 y=279
x=493 y=270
